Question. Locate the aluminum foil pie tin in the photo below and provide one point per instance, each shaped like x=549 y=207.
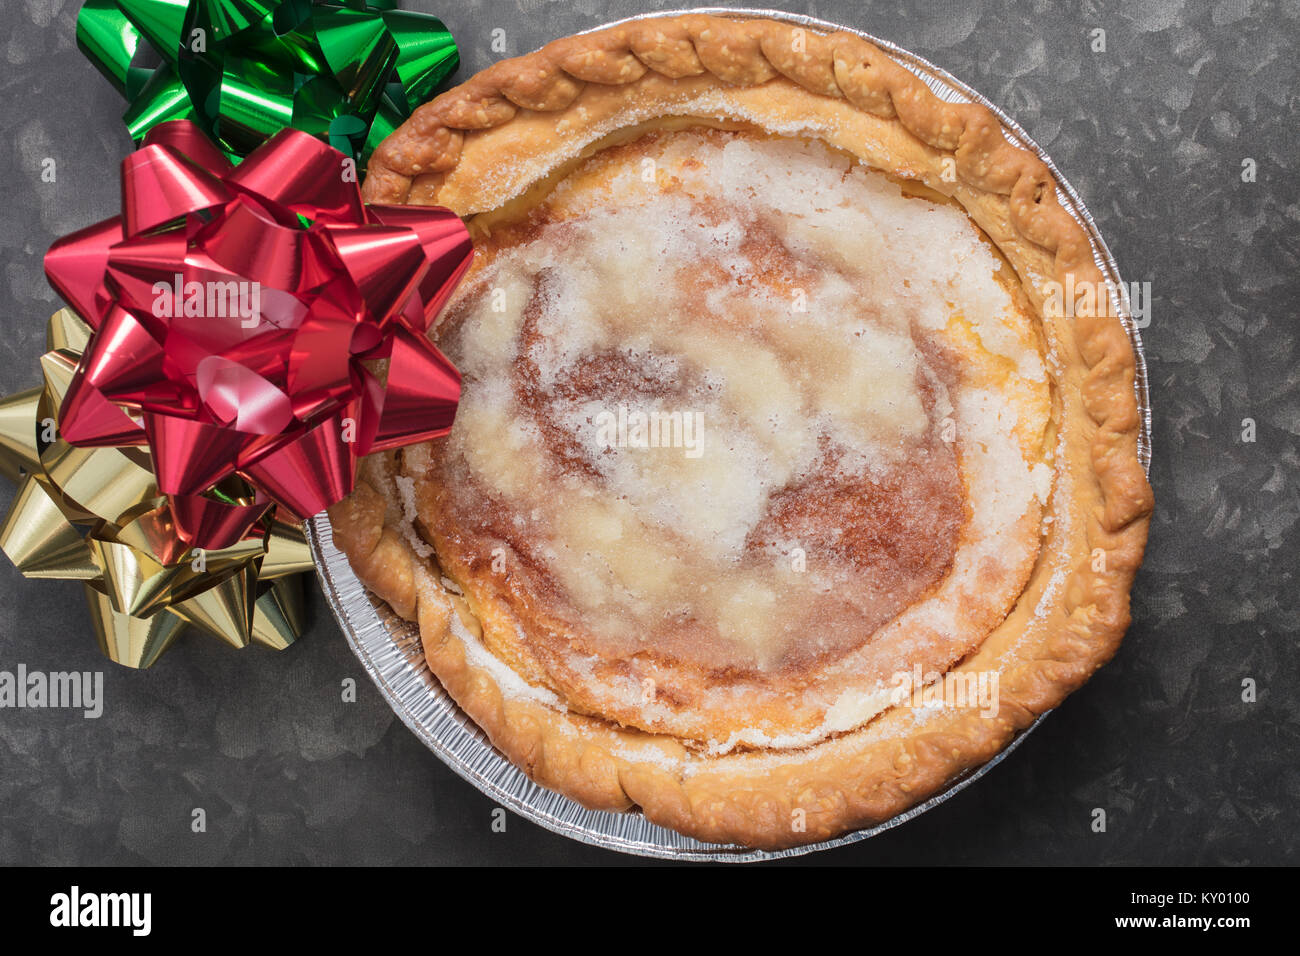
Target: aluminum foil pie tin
x=389 y=648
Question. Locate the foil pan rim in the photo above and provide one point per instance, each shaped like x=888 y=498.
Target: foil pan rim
x=389 y=650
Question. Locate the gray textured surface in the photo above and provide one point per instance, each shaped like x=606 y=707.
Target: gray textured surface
x=1152 y=133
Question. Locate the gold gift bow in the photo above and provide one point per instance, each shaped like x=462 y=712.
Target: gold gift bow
x=142 y=584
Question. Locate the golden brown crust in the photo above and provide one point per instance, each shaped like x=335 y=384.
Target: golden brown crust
x=1066 y=625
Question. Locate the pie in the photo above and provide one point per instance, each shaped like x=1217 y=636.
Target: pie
x=796 y=468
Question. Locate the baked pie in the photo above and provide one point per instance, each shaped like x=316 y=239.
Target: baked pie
x=786 y=485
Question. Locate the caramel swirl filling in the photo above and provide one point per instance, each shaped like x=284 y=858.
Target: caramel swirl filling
x=713 y=419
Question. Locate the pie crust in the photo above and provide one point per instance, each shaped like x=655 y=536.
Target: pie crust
x=1024 y=541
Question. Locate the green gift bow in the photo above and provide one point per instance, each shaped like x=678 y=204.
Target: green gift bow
x=349 y=71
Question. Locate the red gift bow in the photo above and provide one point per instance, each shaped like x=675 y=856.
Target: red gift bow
x=285 y=403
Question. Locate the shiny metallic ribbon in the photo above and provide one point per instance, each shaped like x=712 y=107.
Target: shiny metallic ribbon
x=173 y=451
x=349 y=71
x=96 y=515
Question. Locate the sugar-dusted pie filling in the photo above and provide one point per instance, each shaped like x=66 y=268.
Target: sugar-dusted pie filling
x=746 y=432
